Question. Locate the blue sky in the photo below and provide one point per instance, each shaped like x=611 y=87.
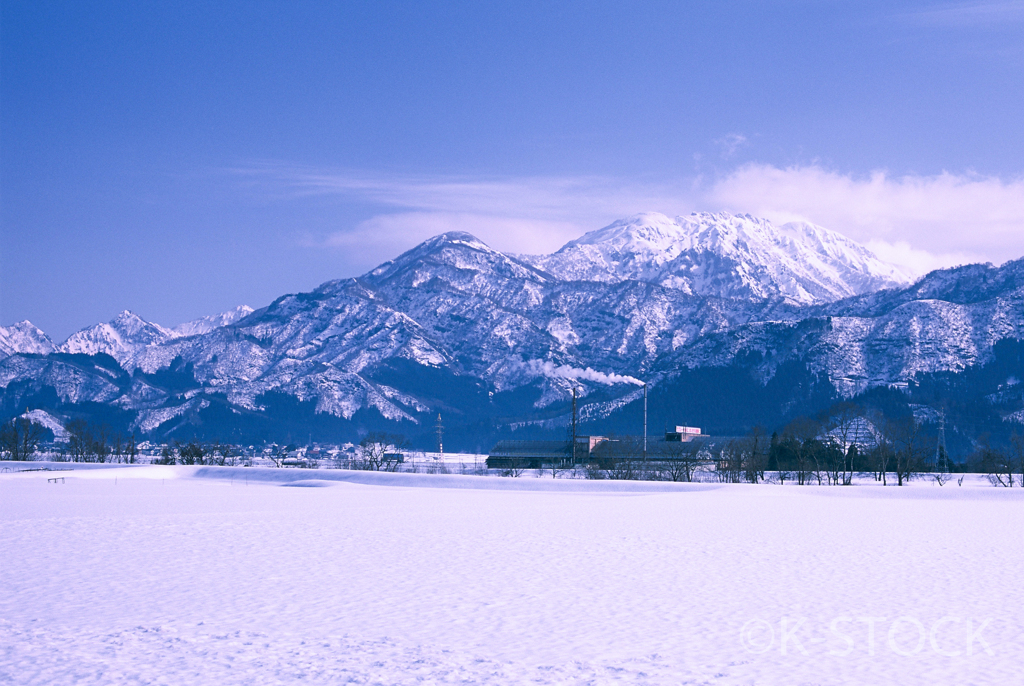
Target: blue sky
x=179 y=159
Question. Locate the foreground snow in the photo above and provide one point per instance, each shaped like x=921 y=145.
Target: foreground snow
x=168 y=575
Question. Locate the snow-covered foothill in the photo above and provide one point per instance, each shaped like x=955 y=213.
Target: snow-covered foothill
x=44 y=418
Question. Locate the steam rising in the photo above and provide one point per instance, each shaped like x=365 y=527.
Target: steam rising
x=552 y=371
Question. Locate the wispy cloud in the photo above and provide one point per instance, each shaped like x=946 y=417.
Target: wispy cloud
x=730 y=143
x=995 y=13
x=522 y=214
x=919 y=222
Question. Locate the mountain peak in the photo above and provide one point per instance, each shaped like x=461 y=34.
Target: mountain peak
x=725 y=255
x=24 y=337
x=458 y=238
x=450 y=254
x=119 y=337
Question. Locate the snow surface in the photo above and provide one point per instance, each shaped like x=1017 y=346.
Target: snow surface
x=165 y=575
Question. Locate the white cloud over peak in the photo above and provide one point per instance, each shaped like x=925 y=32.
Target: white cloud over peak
x=923 y=222
x=916 y=221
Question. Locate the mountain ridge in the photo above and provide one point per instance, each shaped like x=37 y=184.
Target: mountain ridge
x=453 y=325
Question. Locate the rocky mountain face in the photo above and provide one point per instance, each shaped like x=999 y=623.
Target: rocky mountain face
x=719 y=315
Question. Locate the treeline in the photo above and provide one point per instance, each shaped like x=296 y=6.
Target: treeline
x=830 y=449
x=96 y=443
x=198 y=453
x=20 y=438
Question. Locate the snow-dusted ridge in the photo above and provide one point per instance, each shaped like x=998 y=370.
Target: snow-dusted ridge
x=127 y=334
x=207 y=324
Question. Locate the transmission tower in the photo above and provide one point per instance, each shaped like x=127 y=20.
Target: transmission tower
x=439 y=428
x=941 y=456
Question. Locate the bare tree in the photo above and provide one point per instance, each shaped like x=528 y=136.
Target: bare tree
x=166 y=455
x=683 y=459
x=730 y=462
x=621 y=458
x=382 y=452
x=841 y=425
x=780 y=448
x=755 y=454
x=803 y=433
x=221 y=454
x=1017 y=454
x=19 y=438
x=131 y=450
x=191 y=453
x=100 y=449
x=904 y=435
x=79 y=440
x=516 y=466
x=117 y=448
x=882 y=452
x=998 y=465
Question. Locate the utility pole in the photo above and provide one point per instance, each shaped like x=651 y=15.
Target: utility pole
x=941 y=456
x=440 y=436
x=574 y=425
x=645 y=422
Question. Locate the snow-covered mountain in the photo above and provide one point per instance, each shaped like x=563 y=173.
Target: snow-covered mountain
x=24 y=337
x=120 y=337
x=725 y=256
x=457 y=327
x=214 y=321
x=127 y=334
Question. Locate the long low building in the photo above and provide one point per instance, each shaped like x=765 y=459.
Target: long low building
x=592 y=450
x=529 y=454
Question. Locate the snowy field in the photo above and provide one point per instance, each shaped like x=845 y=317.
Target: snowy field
x=179 y=575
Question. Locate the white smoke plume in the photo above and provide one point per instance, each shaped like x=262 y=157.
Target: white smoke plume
x=552 y=371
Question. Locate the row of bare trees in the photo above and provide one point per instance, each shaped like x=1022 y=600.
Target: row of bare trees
x=197 y=453
x=97 y=443
x=1003 y=466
